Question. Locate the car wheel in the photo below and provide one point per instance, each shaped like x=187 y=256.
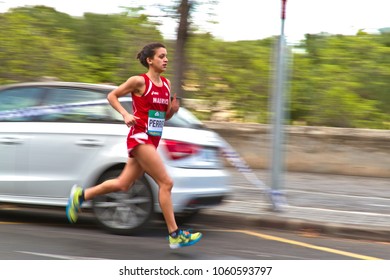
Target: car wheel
x=124 y=212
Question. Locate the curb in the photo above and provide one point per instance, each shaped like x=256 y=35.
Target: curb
x=307 y=227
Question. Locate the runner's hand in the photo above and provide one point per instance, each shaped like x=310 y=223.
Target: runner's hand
x=175 y=104
x=130 y=119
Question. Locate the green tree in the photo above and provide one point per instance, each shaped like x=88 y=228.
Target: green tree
x=39 y=41
x=338 y=83
x=31 y=48
x=237 y=72
x=109 y=43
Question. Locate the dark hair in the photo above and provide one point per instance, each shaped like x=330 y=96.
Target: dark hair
x=148 y=52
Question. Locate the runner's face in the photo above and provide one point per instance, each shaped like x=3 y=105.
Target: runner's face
x=160 y=60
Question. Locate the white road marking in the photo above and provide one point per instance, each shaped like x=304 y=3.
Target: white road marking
x=61 y=257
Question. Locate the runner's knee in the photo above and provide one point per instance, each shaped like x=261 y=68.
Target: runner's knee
x=166 y=184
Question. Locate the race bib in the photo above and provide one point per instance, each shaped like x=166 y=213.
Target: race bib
x=156 y=120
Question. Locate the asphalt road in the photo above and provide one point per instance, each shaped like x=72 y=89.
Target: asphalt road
x=46 y=235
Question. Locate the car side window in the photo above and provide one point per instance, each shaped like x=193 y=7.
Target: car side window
x=56 y=96
x=76 y=109
x=57 y=104
x=16 y=99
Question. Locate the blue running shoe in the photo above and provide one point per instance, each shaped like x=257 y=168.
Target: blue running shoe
x=74 y=203
x=184 y=238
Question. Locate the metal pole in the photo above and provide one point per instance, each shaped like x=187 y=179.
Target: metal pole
x=277 y=196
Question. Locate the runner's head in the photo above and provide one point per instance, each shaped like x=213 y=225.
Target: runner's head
x=146 y=55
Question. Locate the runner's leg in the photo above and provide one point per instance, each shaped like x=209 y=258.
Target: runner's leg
x=151 y=162
x=131 y=172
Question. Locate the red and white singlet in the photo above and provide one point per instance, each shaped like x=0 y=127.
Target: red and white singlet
x=150 y=108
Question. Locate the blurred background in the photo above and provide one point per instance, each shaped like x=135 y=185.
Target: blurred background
x=337 y=80
x=222 y=63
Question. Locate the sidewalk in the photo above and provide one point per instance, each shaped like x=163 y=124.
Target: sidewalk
x=347 y=206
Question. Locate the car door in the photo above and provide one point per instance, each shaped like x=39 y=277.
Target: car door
x=66 y=142
x=15 y=139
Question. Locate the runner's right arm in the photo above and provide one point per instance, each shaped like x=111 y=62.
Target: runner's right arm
x=134 y=85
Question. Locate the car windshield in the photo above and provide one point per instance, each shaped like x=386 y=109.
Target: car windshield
x=184 y=118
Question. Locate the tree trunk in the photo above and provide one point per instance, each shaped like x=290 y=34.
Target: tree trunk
x=179 y=57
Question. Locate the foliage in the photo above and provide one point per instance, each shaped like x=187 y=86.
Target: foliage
x=39 y=41
x=237 y=72
x=338 y=80
x=342 y=81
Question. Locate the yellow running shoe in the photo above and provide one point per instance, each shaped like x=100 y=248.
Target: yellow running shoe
x=74 y=203
x=183 y=239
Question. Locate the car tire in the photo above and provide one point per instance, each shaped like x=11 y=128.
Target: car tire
x=127 y=212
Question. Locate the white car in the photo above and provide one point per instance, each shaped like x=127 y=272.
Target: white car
x=56 y=134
